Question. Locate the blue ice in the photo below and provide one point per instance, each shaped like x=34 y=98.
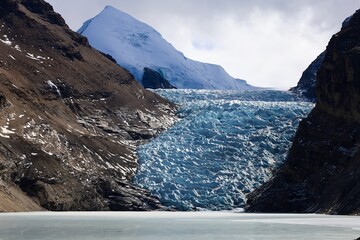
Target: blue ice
x=226 y=144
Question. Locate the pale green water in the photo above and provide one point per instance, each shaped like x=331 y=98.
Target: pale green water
x=176 y=225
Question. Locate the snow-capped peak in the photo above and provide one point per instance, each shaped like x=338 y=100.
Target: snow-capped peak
x=136 y=45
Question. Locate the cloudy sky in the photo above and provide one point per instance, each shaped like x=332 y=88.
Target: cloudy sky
x=266 y=42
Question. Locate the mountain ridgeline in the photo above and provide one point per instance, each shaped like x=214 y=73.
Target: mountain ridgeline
x=306 y=86
x=137 y=46
x=322 y=171
x=70 y=118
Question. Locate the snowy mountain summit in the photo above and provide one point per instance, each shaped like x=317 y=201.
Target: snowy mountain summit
x=136 y=46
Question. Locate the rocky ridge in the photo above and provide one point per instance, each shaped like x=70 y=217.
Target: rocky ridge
x=153 y=79
x=322 y=172
x=306 y=86
x=70 y=118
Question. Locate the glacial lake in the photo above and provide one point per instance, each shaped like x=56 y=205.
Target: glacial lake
x=175 y=225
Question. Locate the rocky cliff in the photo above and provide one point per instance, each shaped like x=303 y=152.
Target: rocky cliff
x=154 y=80
x=70 y=118
x=306 y=86
x=322 y=172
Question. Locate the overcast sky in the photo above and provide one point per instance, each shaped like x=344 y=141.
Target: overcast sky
x=266 y=42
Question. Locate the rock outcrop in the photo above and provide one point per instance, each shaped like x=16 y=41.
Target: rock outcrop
x=70 y=118
x=322 y=172
x=306 y=86
x=154 y=80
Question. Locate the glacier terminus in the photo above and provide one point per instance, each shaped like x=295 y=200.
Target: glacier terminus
x=225 y=145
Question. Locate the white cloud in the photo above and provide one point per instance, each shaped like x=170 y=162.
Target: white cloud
x=266 y=42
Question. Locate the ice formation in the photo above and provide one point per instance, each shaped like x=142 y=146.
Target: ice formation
x=226 y=145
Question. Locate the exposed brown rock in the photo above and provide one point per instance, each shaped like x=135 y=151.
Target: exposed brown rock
x=322 y=172
x=70 y=118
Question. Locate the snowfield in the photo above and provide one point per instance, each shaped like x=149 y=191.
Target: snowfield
x=135 y=45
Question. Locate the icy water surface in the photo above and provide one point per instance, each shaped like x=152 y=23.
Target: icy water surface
x=175 y=225
x=225 y=145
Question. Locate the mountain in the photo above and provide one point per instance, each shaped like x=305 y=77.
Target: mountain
x=322 y=171
x=70 y=118
x=306 y=86
x=135 y=46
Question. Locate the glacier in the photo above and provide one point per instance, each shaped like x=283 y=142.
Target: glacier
x=135 y=46
x=226 y=144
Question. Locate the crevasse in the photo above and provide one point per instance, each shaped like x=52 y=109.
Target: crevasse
x=225 y=145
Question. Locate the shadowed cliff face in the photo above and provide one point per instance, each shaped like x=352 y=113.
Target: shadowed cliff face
x=70 y=118
x=154 y=80
x=339 y=79
x=322 y=172
x=306 y=86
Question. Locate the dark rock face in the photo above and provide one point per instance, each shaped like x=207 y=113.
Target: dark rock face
x=154 y=80
x=44 y=10
x=306 y=86
x=70 y=118
x=339 y=78
x=322 y=172
x=7 y=6
x=3 y=102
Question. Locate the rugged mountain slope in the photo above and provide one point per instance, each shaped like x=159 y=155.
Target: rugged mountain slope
x=322 y=172
x=136 y=45
x=306 y=86
x=70 y=118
